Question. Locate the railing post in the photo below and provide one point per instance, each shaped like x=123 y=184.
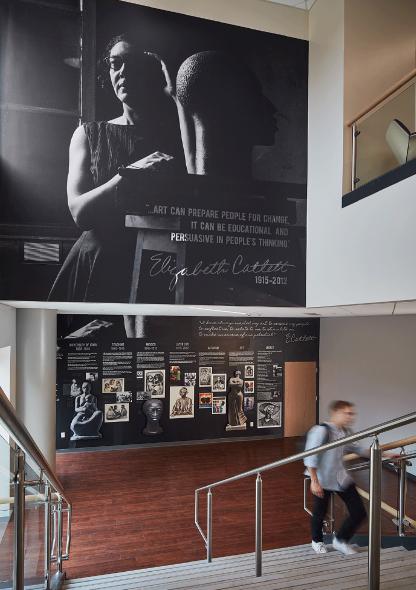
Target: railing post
x=47 y=536
x=402 y=496
x=374 y=537
x=209 y=526
x=19 y=524
x=353 y=155
x=59 y=535
x=259 y=532
x=196 y=506
x=331 y=514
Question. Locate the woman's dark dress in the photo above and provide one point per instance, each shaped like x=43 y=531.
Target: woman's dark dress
x=99 y=265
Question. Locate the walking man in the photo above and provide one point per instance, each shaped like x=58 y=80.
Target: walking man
x=328 y=474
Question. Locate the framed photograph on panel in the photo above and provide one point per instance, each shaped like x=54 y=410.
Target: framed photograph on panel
x=116 y=412
x=124 y=397
x=112 y=385
x=219 y=382
x=205 y=400
x=249 y=371
x=181 y=403
x=154 y=382
x=269 y=415
x=219 y=404
x=190 y=379
x=205 y=376
x=175 y=374
x=248 y=386
x=248 y=403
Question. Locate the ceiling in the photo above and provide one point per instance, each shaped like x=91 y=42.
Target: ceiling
x=303 y=4
x=371 y=309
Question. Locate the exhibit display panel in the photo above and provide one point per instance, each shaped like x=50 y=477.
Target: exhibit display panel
x=135 y=379
x=187 y=176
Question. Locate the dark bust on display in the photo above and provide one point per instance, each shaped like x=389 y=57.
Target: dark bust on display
x=88 y=418
x=153 y=409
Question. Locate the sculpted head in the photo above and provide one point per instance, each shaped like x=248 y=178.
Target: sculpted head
x=219 y=90
x=153 y=409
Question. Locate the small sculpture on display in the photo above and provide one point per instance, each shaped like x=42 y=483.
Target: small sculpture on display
x=88 y=418
x=237 y=420
x=153 y=409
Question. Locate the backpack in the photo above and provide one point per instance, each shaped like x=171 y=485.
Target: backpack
x=347 y=431
x=327 y=432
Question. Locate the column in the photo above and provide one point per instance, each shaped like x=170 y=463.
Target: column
x=36 y=376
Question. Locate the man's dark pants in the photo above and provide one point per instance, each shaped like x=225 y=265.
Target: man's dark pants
x=355 y=507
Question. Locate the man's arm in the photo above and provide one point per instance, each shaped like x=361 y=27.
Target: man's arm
x=316 y=487
x=316 y=437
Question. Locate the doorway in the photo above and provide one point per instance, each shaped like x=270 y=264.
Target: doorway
x=300 y=397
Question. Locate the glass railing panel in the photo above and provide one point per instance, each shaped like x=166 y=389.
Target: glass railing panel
x=7 y=469
x=34 y=527
x=54 y=535
x=382 y=144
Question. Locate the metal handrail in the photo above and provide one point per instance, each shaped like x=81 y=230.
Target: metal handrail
x=383 y=97
x=372 y=431
x=375 y=106
x=19 y=433
x=375 y=497
x=402 y=462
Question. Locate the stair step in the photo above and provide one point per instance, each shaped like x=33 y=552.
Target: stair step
x=268 y=555
x=390 y=580
x=234 y=575
x=282 y=569
x=244 y=560
x=353 y=577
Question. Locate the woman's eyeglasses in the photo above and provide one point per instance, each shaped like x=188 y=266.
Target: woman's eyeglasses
x=116 y=62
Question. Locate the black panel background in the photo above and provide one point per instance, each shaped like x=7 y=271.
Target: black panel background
x=300 y=342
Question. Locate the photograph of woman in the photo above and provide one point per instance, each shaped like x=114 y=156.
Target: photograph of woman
x=99 y=265
x=160 y=110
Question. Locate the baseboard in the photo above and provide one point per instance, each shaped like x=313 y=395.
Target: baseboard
x=180 y=443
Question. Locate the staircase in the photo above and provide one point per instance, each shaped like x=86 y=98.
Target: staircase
x=294 y=567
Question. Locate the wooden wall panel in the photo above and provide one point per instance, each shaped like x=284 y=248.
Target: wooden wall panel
x=300 y=397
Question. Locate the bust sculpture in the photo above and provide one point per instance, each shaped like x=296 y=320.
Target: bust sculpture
x=152 y=409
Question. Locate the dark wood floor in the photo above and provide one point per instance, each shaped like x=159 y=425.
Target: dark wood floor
x=134 y=508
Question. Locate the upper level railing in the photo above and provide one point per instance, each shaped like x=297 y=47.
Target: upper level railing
x=35 y=504
x=383 y=134
x=375 y=494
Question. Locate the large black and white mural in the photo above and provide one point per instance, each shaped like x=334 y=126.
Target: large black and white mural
x=165 y=162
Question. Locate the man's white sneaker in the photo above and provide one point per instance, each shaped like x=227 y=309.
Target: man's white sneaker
x=343 y=547
x=319 y=547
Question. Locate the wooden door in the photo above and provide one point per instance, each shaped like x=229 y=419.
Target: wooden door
x=300 y=398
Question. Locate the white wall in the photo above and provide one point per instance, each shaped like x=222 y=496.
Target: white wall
x=8 y=344
x=371 y=362
x=8 y=384
x=365 y=252
x=253 y=14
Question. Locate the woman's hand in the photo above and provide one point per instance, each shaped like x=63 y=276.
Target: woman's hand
x=155 y=162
